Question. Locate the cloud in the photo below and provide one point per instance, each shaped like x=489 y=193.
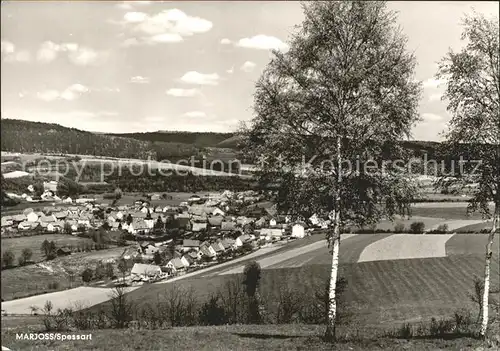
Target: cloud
x=231 y=70
x=431 y=117
x=86 y=56
x=168 y=26
x=72 y=92
x=166 y=38
x=179 y=92
x=262 y=42
x=20 y=56
x=432 y=83
x=78 y=55
x=139 y=80
x=8 y=47
x=248 y=66
x=193 y=77
x=225 y=41
x=195 y=114
x=10 y=54
x=134 y=17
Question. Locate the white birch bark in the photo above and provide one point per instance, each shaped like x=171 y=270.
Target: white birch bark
x=486 y=291
x=335 y=239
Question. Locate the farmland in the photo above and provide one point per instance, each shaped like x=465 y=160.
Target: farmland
x=34 y=279
x=34 y=243
x=388 y=292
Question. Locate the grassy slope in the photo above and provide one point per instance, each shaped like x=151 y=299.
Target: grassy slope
x=29 y=280
x=236 y=338
x=35 y=243
x=444 y=212
x=382 y=293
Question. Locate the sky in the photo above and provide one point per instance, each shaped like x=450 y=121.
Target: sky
x=120 y=67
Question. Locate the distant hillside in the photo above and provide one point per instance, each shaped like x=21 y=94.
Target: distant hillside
x=205 y=139
x=36 y=137
x=32 y=137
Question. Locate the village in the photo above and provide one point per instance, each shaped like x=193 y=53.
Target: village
x=163 y=241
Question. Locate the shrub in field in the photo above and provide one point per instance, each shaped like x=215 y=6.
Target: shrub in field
x=417 y=227
x=441 y=327
x=399 y=228
x=212 y=313
x=8 y=259
x=121 y=308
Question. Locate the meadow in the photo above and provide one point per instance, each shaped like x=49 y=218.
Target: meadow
x=34 y=243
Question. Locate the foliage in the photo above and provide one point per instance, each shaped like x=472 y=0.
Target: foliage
x=8 y=258
x=417 y=227
x=87 y=275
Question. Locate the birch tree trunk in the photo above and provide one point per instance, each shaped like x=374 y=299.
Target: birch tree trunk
x=489 y=253
x=335 y=241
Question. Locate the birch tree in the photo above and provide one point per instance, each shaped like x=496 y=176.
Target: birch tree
x=329 y=113
x=473 y=94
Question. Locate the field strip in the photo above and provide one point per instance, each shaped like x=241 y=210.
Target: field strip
x=275 y=259
x=459 y=223
x=406 y=246
x=81 y=297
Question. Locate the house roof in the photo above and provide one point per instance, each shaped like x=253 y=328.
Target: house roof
x=244 y=238
x=215 y=221
x=216 y=247
x=226 y=225
x=205 y=251
x=47 y=219
x=198 y=226
x=188 y=258
x=190 y=243
x=177 y=263
x=145 y=269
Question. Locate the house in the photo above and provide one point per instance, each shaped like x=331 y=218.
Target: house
x=176 y=265
x=273 y=222
x=187 y=260
x=141 y=271
x=7 y=222
x=155 y=197
x=228 y=226
x=47 y=219
x=27 y=211
x=19 y=218
x=198 y=227
x=205 y=252
x=242 y=221
x=200 y=219
x=32 y=217
x=188 y=245
x=270 y=233
x=138 y=226
x=215 y=221
x=51 y=186
x=298 y=230
x=60 y=215
x=242 y=240
x=216 y=249
x=193 y=255
x=227 y=243
x=151 y=250
x=24 y=225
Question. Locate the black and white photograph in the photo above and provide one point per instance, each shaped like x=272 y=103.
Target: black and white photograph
x=250 y=175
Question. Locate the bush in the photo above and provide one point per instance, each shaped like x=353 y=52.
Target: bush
x=441 y=327
x=417 y=227
x=212 y=313
x=399 y=228
x=8 y=258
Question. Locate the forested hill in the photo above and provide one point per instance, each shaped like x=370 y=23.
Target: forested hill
x=33 y=137
x=29 y=137
x=199 y=139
